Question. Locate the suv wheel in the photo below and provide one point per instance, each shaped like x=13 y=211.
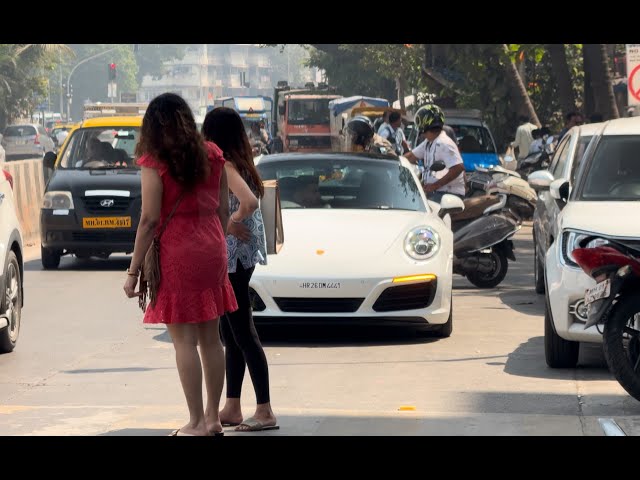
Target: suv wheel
x=11 y=303
x=538 y=269
x=558 y=352
x=50 y=258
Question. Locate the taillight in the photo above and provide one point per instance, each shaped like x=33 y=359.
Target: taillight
x=37 y=139
x=592 y=260
x=9 y=178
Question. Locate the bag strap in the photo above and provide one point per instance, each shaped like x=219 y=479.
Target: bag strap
x=166 y=222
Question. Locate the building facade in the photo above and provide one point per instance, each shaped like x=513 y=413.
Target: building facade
x=209 y=71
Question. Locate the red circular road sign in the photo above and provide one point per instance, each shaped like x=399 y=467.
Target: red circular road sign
x=635 y=92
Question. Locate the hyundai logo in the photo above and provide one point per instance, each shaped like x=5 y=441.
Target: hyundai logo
x=107 y=203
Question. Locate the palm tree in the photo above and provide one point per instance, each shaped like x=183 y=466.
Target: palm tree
x=517 y=89
x=562 y=75
x=598 y=80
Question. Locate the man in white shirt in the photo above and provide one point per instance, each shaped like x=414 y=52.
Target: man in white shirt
x=61 y=135
x=438 y=147
x=522 y=143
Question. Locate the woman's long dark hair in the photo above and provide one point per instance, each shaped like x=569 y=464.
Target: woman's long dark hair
x=170 y=134
x=223 y=126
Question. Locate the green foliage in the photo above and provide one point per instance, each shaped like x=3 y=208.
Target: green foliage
x=350 y=75
x=89 y=80
x=24 y=71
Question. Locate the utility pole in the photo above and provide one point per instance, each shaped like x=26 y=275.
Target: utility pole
x=71 y=73
x=61 y=85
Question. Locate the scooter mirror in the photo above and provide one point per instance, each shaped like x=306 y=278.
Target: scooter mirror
x=437 y=166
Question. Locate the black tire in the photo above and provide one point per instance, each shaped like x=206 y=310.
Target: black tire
x=50 y=258
x=501 y=263
x=11 y=303
x=620 y=363
x=538 y=269
x=558 y=352
x=446 y=329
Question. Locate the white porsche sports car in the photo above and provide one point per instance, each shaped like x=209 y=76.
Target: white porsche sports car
x=362 y=245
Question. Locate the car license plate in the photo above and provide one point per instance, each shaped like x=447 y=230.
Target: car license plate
x=21 y=142
x=106 y=222
x=320 y=285
x=600 y=291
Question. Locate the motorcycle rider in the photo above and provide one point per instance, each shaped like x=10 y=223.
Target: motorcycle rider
x=438 y=147
x=363 y=138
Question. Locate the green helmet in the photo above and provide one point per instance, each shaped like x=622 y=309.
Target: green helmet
x=428 y=117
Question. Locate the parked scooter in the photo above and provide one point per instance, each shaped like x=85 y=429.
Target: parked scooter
x=521 y=198
x=615 y=302
x=537 y=160
x=482 y=244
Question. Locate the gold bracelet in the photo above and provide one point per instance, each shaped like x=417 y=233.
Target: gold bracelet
x=132 y=274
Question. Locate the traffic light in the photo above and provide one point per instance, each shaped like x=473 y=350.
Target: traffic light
x=112 y=72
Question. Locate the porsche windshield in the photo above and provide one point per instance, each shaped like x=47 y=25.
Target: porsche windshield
x=344 y=184
x=100 y=148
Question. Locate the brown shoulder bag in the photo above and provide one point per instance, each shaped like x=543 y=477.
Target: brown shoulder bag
x=150 y=268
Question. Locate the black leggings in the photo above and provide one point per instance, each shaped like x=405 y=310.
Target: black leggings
x=242 y=345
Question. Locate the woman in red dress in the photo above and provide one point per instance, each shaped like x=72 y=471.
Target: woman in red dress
x=182 y=171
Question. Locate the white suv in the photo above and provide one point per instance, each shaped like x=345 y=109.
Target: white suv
x=605 y=200
x=11 y=266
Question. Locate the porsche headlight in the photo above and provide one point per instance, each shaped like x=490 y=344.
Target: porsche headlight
x=422 y=243
x=57 y=201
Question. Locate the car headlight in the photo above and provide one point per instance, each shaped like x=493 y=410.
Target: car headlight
x=571 y=241
x=58 y=201
x=422 y=243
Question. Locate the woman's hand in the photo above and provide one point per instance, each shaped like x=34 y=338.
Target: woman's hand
x=239 y=230
x=130 y=286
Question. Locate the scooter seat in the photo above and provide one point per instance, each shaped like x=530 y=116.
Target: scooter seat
x=474 y=207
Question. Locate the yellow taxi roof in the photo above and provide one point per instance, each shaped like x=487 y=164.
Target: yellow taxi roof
x=122 y=121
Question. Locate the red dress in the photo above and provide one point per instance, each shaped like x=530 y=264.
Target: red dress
x=194 y=285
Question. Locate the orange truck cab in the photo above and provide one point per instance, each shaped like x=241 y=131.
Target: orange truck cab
x=301 y=118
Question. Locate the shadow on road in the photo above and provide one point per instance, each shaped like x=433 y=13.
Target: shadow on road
x=137 y=432
x=528 y=361
x=486 y=414
x=72 y=264
x=522 y=300
x=294 y=336
x=115 y=370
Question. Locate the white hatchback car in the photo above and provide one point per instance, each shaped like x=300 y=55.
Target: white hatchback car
x=11 y=267
x=362 y=245
x=604 y=201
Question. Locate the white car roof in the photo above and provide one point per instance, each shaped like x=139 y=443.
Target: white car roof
x=623 y=126
x=589 y=129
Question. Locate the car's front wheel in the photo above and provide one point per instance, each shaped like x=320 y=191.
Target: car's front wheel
x=446 y=329
x=558 y=352
x=50 y=258
x=538 y=269
x=11 y=304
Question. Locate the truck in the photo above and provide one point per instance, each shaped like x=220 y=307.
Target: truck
x=301 y=119
x=251 y=108
x=342 y=110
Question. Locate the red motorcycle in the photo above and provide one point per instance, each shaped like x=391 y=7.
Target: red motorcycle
x=615 y=303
